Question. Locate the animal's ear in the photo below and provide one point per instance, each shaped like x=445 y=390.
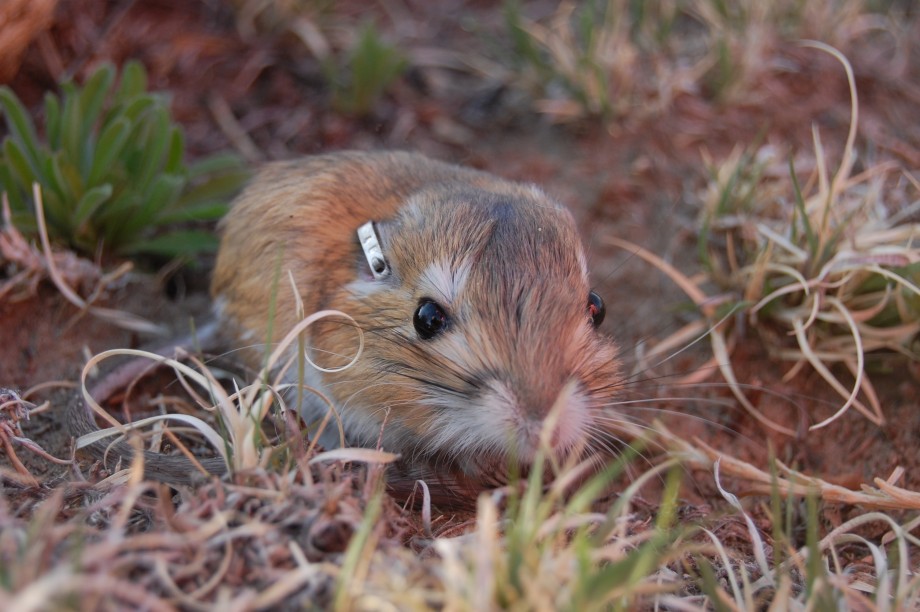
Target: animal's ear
x=373 y=252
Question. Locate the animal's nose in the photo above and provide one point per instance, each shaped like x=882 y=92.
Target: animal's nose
x=557 y=417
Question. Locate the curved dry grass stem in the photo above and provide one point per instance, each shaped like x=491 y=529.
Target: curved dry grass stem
x=825 y=264
x=846 y=164
x=241 y=412
x=119 y=428
x=696 y=453
x=696 y=294
x=117 y=317
x=832 y=380
x=717 y=338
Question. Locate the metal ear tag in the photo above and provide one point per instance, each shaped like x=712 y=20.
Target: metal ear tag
x=370 y=243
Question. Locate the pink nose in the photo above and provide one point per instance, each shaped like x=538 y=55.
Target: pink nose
x=558 y=423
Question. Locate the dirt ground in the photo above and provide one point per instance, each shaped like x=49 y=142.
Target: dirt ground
x=638 y=179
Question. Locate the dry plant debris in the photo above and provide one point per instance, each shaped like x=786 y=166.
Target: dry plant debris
x=832 y=263
x=26 y=266
x=265 y=540
x=73 y=276
x=240 y=442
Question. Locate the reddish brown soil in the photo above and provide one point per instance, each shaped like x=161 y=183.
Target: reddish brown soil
x=637 y=180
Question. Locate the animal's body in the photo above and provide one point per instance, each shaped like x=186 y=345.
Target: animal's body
x=480 y=326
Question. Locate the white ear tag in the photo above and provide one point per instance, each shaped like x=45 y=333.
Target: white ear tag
x=367 y=236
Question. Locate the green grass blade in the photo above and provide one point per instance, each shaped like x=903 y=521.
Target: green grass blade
x=164 y=190
x=175 y=244
x=157 y=130
x=18 y=166
x=218 y=189
x=122 y=206
x=55 y=182
x=112 y=142
x=20 y=126
x=69 y=188
x=139 y=106
x=526 y=51
x=356 y=549
x=91 y=200
x=220 y=162
x=810 y=236
x=201 y=212
x=10 y=186
x=133 y=82
x=52 y=120
x=92 y=97
x=174 y=152
x=71 y=131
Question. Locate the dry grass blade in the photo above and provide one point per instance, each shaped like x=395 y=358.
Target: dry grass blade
x=277 y=541
x=359 y=455
x=117 y=317
x=698 y=454
x=120 y=429
x=596 y=70
x=241 y=413
x=832 y=265
x=31 y=266
x=720 y=348
x=13 y=410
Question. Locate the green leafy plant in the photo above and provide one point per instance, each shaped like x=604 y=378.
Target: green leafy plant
x=111 y=169
x=364 y=72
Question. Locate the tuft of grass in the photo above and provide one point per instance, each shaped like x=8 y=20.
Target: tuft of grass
x=359 y=75
x=810 y=574
x=583 y=59
x=564 y=543
x=78 y=280
x=745 y=38
x=111 y=168
x=605 y=59
x=830 y=261
x=826 y=269
x=357 y=62
x=238 y=439
x=553 y=551
x=316 y=532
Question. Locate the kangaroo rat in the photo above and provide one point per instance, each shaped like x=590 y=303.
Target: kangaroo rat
x=472 y=293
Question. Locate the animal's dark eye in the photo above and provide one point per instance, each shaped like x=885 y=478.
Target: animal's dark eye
x=429 y=320
x=596 y=309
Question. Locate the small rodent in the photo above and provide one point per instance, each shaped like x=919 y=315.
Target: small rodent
x=479 y=321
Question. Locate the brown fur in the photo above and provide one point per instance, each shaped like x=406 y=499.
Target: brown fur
x=521 y=318
x=302 y=216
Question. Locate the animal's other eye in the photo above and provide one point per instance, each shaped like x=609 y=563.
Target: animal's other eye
x=596 y=309
x=429 y=320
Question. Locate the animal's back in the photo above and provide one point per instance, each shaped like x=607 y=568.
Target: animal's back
x=302 y=216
